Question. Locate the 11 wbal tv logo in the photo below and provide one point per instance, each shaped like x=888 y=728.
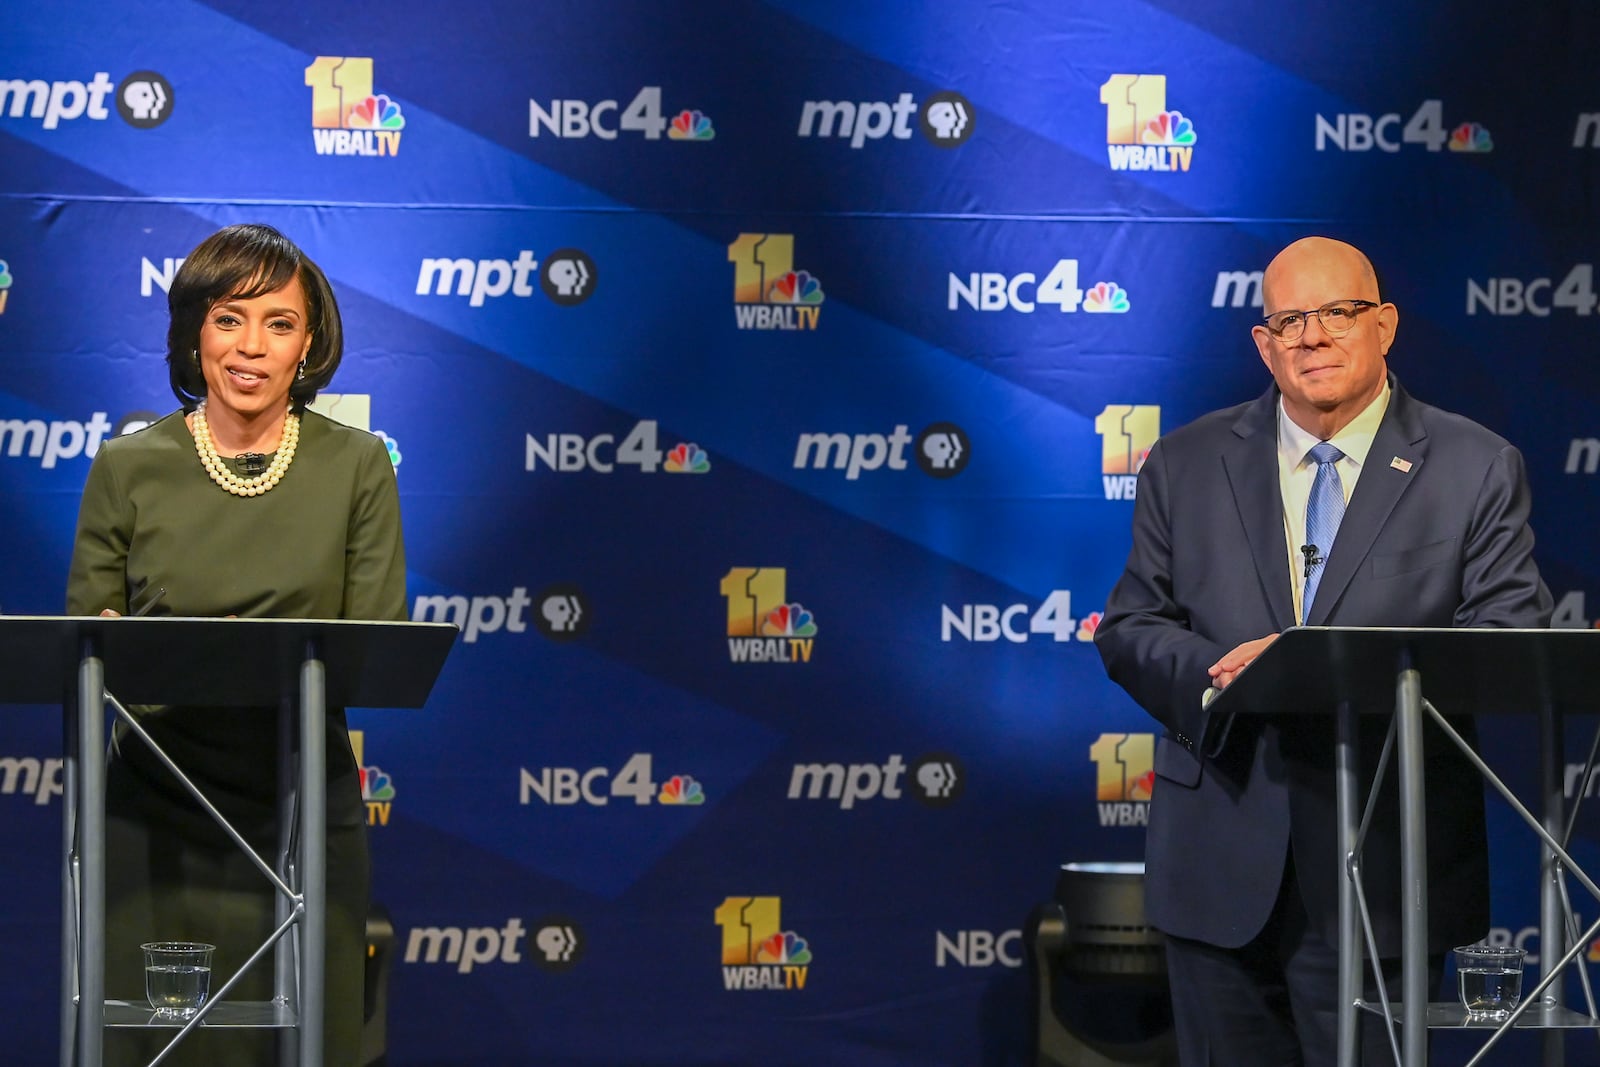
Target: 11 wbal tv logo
x=768 y=293
x=1127 y=434
x=757 y=952
x=946 y=119
x=1141 y=134
x=143 y=99
x=763 y=625
x=377 y=787
x=347 y=118
x=1125 y=776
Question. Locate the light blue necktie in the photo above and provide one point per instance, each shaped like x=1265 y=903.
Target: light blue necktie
x=1323 y=512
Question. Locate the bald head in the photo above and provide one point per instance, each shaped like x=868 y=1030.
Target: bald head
x=1319 y=256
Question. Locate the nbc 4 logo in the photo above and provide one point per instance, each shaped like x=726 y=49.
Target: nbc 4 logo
x=579 y=119
x=377 y=788
x=5 y=284
x=1125 y=777
x=757 y=952
x=1359 y=132
x=1141 y=134
x=763 y=626
x=768 y=293
x=1127 y=433
x=347 y=119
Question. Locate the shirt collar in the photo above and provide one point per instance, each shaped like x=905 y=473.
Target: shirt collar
x=1355 y=440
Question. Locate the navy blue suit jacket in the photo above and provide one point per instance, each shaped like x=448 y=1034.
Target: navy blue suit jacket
x=1443 y=543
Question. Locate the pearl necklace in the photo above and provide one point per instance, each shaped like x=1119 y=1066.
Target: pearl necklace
x=224 y=476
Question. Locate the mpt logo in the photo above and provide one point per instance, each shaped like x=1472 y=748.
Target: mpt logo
x=560 y=944
x=947 y=119
x=563 y=614
x=941 y=451
x=568 y=279
x=143 y=99
x=1237 y=288
x=481 y=615
x=937 y=781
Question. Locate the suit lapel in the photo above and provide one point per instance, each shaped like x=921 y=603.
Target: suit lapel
x=1251 y=463
x=1400 y=437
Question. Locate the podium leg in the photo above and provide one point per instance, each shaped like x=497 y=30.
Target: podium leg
x=1413 y=871
x=91 y=857
x=1345 y=771
x=314 y=852
x=1552 y=916
x=69 y=881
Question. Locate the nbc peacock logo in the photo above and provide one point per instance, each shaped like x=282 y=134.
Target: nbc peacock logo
x=1141 y=134
x=1471 y=137
x=347 y=117
x=764 y=625
x=757 y=952
x=377 y=788
x=768 y=293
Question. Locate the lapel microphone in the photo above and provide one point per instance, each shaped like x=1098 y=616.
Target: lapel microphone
x=1312 y=558
x=252 y=464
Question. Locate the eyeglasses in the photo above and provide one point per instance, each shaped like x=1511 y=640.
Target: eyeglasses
x=1338 y=317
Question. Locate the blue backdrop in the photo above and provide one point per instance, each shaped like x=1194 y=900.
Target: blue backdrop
x=765 y=385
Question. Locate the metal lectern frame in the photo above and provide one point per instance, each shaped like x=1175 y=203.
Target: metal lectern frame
x=298 y=666
x=1348 y=671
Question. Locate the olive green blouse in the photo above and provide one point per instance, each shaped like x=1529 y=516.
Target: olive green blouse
x=324 y=543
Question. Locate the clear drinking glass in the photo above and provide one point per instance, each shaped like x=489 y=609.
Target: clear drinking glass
x=177 y=976
x=1489 y=978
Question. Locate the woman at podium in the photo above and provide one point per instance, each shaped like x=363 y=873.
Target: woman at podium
x=241 y=503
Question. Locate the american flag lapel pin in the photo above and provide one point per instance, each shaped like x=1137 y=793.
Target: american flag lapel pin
x=1401 y=465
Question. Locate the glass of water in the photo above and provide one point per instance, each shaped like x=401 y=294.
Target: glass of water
x=177 y=976
x=1489 y=978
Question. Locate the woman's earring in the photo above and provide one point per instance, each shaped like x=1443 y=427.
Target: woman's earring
x=302 y=375
x=194 y=354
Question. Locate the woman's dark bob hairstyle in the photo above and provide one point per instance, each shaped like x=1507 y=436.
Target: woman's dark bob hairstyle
x=247 y=261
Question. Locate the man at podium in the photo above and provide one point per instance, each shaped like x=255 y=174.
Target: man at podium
x=1336 y=499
